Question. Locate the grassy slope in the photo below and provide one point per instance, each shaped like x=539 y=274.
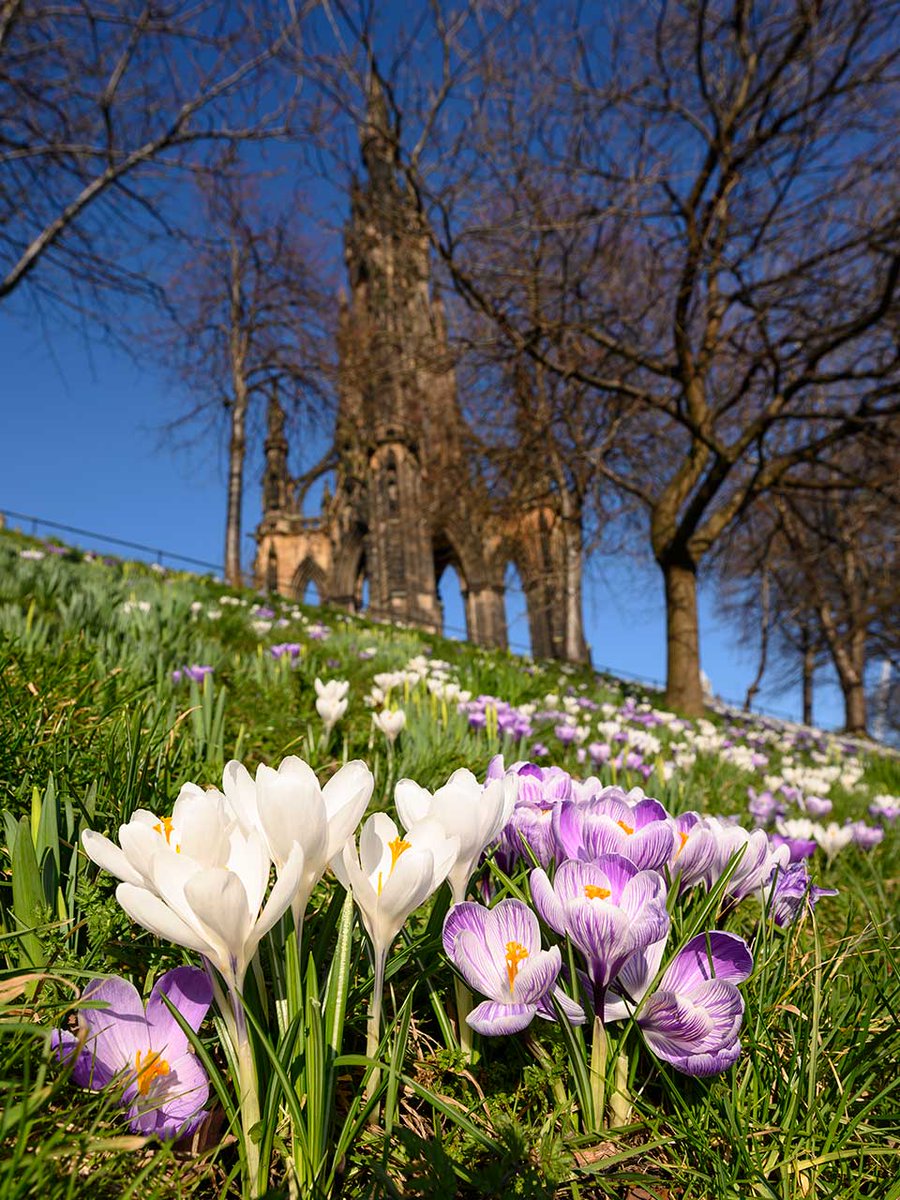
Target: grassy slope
x=93 y=726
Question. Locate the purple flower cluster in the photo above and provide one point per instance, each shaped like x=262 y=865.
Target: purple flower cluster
x=291 y=650
x=195 y=672
x=609 y=864
x=511 y=721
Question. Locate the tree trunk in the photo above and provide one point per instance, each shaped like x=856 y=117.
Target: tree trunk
x=763 y=642
x=809 y=666
x=236 y=449
x=683 y=688
x=574 y=646
x=853 y=685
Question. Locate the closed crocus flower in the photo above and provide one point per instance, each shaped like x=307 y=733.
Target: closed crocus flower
x=608 y=824
x=391 y=722
x=755 y=861
x=331 y=701
x=143 y=1052
x=609 y=909
x=693 y=850
x=498 y=953
x=464 y=809
x=289 y=808
x=692 y=1020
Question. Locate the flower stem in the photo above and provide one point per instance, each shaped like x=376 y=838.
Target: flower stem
x=463 y=1008
x=373 y=1028
x=598 y=1073
x=249 y=1089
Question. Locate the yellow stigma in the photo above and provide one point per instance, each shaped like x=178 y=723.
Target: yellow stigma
x=515 y=954
x=627 y=828
x=164 y=826
x=396 y=847
x=684 y=837
x=152 y=1069
x=593 y=892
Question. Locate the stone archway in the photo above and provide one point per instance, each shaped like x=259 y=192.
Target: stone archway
x=309 y=572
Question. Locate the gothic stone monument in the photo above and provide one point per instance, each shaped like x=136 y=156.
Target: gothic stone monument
x=408 y=500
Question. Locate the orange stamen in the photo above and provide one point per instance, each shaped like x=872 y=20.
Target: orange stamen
x=397 y=847
x=515 y=954
x=593 y=892
x=152 y=1069
x=684 y=837
x=627 y=828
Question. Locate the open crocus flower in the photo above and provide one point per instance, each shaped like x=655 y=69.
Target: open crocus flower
x=331 y=701
x=465 y=810
x=793 y=891
x=608 y=824
x=199 y=880
x=608 y=908
x=393 y=874
x=289 y=808
x=693 y=1018
x=498 y=953
x=144 y=1052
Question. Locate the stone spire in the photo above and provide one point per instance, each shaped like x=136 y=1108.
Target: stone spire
x=276 y=481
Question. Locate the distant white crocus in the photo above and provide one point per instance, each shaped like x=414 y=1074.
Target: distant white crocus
x=463 y=809
x=832 y=838
x=331 y=701
x=391 y=722
x=198 y=879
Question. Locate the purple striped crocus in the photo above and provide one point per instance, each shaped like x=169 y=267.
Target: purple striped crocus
x=608 y=908
x=498 y=953
x=143 y=1051
x=693 y=1018
x=608 y=824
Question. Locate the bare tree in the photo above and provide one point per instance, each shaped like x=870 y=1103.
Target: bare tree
x=104 y=109
x=250 y=321
x=733 y=161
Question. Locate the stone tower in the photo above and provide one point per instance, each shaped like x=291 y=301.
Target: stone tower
x=408 y=501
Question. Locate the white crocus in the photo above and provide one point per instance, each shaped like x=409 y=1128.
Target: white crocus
x=331 y=701
x=463 y=809
x=390 y=876
x=199 y=880
x=391 y=722
x=289 y=807
x=832 y=838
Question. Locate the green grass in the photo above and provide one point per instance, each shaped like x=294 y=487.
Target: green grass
x=92 y=728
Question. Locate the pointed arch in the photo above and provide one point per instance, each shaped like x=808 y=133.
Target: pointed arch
x=309 y=572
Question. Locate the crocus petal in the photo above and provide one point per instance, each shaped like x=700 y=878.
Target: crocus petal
x=572 y=1011
x=711 y=955
x=545 y=901
x=110 y=857
x=154 y=914
x=190 y=991
x=537 y=975
x=117 y=1028
x=493 y=1019
x=480 y=971
x=219 y=900
x=413 y=802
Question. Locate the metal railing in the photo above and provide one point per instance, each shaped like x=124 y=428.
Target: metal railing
x=107 y=539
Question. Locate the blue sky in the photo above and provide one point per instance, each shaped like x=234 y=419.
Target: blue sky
x=85 y=444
